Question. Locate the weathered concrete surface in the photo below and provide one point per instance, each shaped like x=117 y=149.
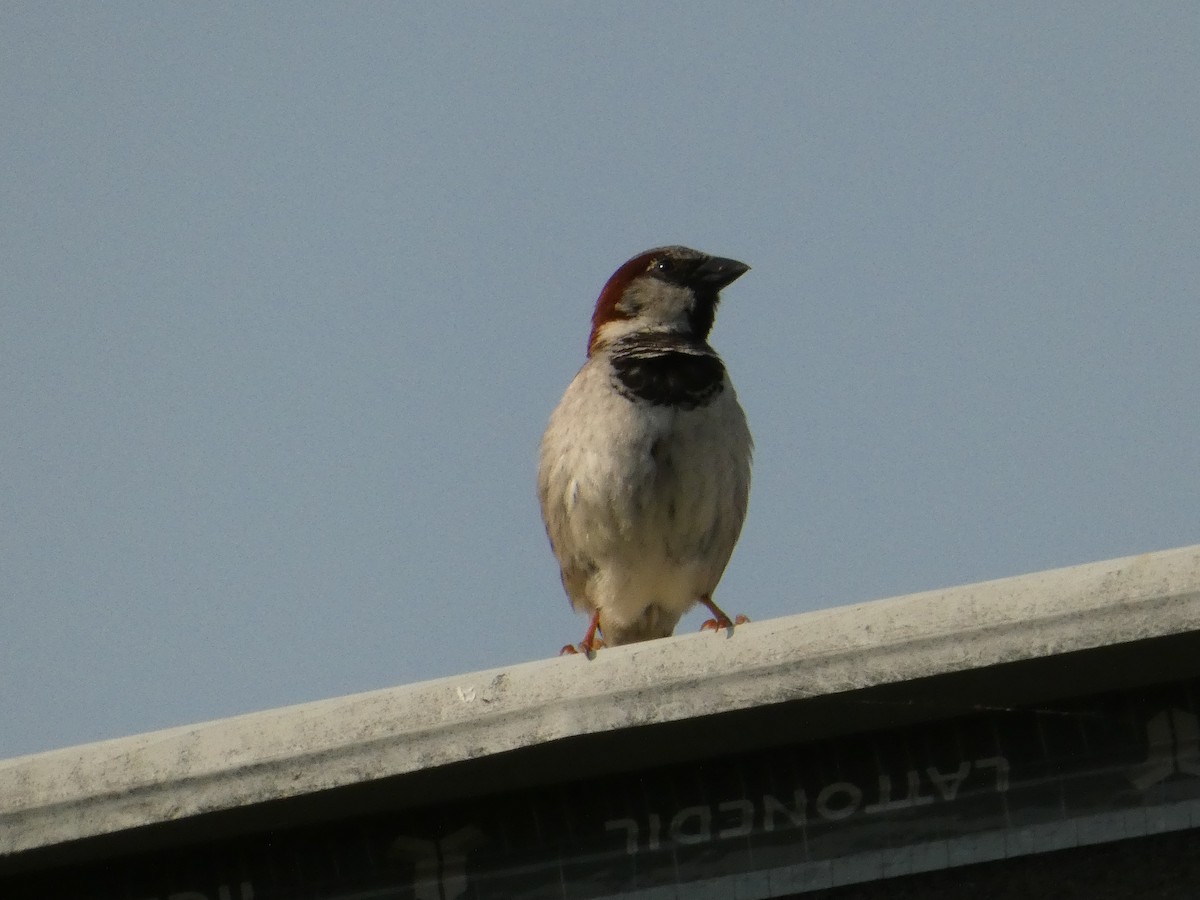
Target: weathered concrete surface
x=101 y=788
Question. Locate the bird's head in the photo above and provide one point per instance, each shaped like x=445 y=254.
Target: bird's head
x=668 y=289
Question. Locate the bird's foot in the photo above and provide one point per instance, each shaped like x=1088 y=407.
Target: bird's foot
x=720 y=619
x=591 y=641
x=586 y=649
x=723 y=622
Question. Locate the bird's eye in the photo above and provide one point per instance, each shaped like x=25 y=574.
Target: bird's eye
x=664 y=265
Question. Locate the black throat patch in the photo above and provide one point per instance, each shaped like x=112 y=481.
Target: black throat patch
x=667 y=370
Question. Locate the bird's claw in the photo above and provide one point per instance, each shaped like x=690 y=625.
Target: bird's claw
x=592 y=640
x=584 y=647
x=723 y=621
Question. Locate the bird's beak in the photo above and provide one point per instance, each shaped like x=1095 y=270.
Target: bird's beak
x=717 y=271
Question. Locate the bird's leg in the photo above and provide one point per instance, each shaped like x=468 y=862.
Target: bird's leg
x=590 y=642
x=719 y=620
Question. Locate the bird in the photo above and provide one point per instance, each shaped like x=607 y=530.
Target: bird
x=644 y=467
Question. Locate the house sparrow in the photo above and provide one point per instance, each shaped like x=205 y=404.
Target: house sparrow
x=644 y=471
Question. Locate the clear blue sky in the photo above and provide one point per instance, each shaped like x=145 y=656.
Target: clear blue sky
x=288 y=291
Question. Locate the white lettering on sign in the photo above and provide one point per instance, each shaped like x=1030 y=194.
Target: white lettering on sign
x=835 y=802
x=773 y=807
x=839 y=800
x=741 y=818
x=692 y=825
x=913 y=797
x=947 y=784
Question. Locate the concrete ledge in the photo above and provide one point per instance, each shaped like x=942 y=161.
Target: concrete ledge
x=103 y=788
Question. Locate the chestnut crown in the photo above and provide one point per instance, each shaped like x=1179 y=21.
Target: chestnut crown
x=667 y=289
